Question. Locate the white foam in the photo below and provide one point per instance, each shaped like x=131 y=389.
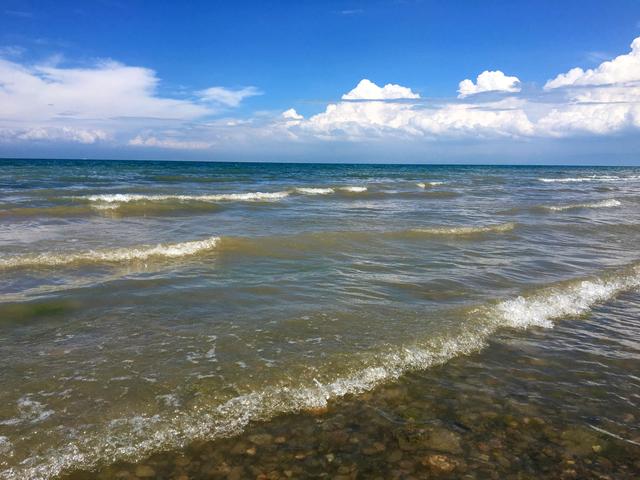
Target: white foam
x=612 y=202
x=314 y=191
x=428 y=184
x=6 y=447
x=569 y=300
x=131 y=197
x=29 y=411
x=354 y=189
x=112 y=255
x=591 y=178
x=146 y=434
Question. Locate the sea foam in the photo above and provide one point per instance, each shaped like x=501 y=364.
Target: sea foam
x=592 y=178
x=428 y=184
x=314 y=191
x=131 y=197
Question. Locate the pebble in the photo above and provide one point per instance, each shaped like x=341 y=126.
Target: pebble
x=439 y=463
x=443 y=440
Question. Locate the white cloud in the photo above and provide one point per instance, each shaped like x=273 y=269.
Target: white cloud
x=366 y=119
x=596 y=119
x=107 y=90
x=48 y=134
x=622 y=69
x=291 y=114
x=228 y=97
x=104 y=101
x=111 y=103
x=151 y=141
x=599 y=101
x=489 y=81
x=367 y=90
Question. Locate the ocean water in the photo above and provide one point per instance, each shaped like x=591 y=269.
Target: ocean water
x=145 y=306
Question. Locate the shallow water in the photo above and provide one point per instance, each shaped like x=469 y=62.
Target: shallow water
x=146 y=307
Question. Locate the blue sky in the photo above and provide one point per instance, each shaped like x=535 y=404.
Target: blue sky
x=211 y=80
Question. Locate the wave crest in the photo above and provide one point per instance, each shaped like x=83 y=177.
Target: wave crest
x=124 y=254
x=131 y=197
x=612 y=202
x=592 y=178
x=429 y=184
x=467 y=230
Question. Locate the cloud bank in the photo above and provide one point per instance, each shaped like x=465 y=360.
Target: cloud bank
x=116 y=104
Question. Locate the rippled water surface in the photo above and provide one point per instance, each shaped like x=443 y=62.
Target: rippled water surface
x=145 y=306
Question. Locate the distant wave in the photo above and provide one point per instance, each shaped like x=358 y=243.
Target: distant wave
x=116 y=199
x=134 y=438
x=467 y=230
x=429 y=184
x=354 y=189
x=602 y=204
x=124 y=254
x=131 y=197
x=314 y=191
x=591 y=178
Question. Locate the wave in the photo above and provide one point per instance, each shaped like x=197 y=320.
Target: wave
x=314 y=191
x=591 y=178
x=429 y=184
x=612 y=202
x=144 y=435
x=264 y=245
x=131 y=197
x=467 y=230
x=124 y=254
x=111 y=201
x=354 y=189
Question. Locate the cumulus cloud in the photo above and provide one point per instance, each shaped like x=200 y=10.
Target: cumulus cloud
x=622 y=69
x=291 y=114
x=227 y=96
x=367 y=90
x=366 y=119
x=489 y=81
x=599 y=101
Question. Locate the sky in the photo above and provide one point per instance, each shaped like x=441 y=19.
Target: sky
x=338 y=81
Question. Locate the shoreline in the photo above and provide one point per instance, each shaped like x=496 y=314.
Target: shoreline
x=473 y=417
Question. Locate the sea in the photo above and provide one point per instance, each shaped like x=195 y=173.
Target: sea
x=262 y=320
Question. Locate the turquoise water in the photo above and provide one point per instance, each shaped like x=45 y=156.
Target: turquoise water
x=147 y=305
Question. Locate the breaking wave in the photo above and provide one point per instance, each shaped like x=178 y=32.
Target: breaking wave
x=131 y=197
x=111 y=201
x=429 y=184
x=133 y=438
x=314 y=191
x=602 y=204
x=124 y=254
